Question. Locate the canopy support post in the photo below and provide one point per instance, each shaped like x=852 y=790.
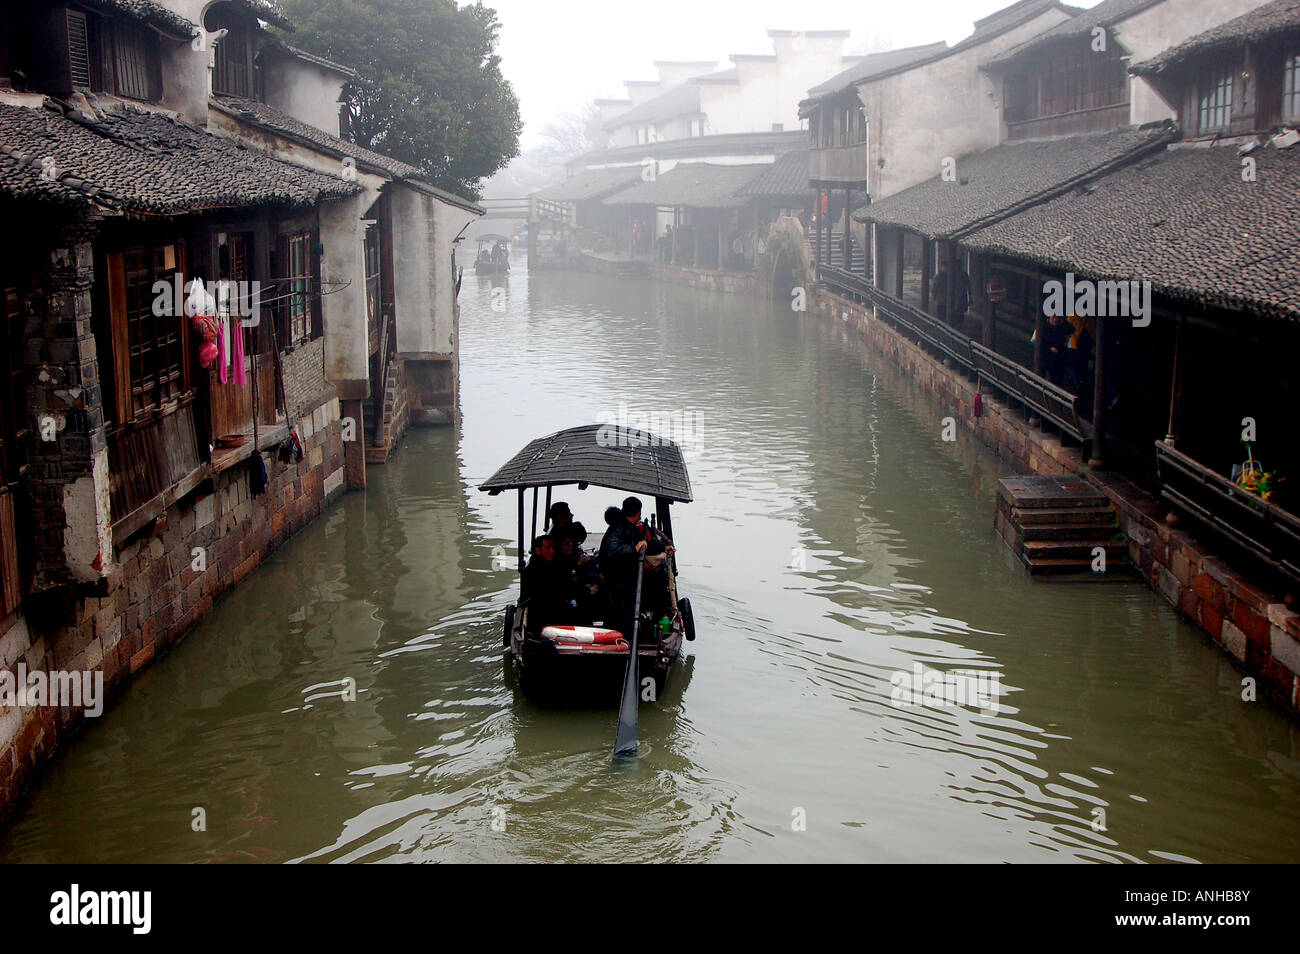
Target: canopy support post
x=534 y=533
x=521 y=543
x=546 y=517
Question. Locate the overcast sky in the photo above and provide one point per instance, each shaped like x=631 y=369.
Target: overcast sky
x=561 y=53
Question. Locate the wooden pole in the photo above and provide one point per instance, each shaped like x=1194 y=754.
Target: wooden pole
x=925 y=275
x=1098 y=459
x=898 y=266
x=1175 y=384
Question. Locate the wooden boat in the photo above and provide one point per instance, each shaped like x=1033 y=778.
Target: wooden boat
x=493 y=257
x=590 y=663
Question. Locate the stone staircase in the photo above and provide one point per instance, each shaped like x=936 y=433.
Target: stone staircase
x=1056 y=525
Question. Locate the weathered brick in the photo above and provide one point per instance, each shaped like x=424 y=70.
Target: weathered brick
x=1254 y=625
x=1285 y=648
x=1234 y=640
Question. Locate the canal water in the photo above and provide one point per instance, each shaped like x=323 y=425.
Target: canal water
x=835 y=545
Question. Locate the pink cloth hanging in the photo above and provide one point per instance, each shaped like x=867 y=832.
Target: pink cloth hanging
x=221 y=350
x=237 y=356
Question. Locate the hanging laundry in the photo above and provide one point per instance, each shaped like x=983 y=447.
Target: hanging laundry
x=257 y=477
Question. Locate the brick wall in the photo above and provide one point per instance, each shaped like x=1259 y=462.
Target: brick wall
x=155 y=593
x=304 y=376
x=1260 y=632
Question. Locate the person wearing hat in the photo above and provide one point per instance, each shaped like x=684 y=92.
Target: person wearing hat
x=568 y=534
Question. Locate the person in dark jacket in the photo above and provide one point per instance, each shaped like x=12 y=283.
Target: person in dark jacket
x=626 y=544
x=549 y=587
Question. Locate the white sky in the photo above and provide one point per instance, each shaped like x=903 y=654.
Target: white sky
x=559 y=54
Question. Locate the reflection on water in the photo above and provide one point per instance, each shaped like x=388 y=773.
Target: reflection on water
x=834 y=541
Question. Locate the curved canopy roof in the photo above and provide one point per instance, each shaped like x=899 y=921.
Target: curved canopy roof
x=606 y=455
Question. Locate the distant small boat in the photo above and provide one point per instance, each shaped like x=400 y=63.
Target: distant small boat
x=493 y=256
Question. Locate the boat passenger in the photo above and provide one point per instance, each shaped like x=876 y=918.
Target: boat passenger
x=548 y=587
x=568 y=534
x=627 y=542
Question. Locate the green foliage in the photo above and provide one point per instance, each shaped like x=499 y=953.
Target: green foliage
x=432 y=93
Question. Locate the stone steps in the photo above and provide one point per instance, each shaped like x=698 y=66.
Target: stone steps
x=1058 y=526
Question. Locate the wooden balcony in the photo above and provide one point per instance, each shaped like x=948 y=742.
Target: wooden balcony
x=847 y=164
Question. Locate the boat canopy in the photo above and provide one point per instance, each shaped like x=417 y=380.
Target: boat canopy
x=606 y=455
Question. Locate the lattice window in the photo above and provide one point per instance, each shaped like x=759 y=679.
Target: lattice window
x=155 y=342
x=299 y=300
x=1075 y=79
x=1291 y=87
x=1215 y=100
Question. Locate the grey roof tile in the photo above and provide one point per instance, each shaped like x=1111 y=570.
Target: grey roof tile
x=699 y=185
x=998 y=180
x=592 y=184
x=788 y=176
x=1183 y=220
x=270 y=119
x=148 y=163
x=147 y=12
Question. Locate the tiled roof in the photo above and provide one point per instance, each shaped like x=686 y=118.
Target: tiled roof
x=1182 y=219
x=592 y=184
x=277 y=121
x=1280 y=16
x=998 y=180
x=1105 y=14
x=874 y=63
x=788 y=176
x=266 y=10
x=148 y=12
x=147 y=163
x=698 y=185
x=282 y=124
x=678 y=101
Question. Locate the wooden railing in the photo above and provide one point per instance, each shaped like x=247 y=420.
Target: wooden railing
x=1037 y=393
x=1262 y=528
x=1033 y=391
x=944 y=339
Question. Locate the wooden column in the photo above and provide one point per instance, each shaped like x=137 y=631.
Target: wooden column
x=950 y=260
x=848 y=237
x=898 y=266
x=1098 y=458
x=1175 y=384
x=925 y=275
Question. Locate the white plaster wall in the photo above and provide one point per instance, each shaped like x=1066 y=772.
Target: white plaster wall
x=424 y=234
x=305 y=91
x=946 y=108
x=347 y=352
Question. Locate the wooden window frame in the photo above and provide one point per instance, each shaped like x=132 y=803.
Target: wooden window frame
x=1291 y=85
x=151 y=362
x=1214 y=91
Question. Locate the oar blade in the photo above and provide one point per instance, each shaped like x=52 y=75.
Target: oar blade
x=630 y=704
x=625 y=744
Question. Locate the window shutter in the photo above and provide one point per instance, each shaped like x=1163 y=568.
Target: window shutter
x=121 y=337
x=78 y=49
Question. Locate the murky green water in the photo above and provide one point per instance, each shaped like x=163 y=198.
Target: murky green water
x=834 y=541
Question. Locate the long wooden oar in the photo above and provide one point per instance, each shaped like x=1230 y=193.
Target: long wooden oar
x=628 y=709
